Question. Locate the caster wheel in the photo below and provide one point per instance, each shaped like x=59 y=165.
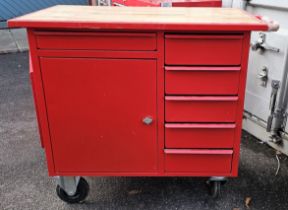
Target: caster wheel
x=80 y=195
x=214 y=188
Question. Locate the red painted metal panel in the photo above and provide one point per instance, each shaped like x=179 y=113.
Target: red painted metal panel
x=199 y=135
x=206 y=161
x=97 y=54
x=75 y=86
x=96 y=40
x=160 y=102
x=174 y=3
x=197 y=3
x=240 y=107
x=95 y=110
x=134 y=3
x=200 y=109
x=38 y=93
x=190 y=80
x=203 y=49
x=31 y=73
x=151 y=174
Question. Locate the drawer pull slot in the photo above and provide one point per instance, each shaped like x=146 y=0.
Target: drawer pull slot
x=197 y=152
x=202 y=68
x=100 y=41
x=172 y=36
x=39 y=33
x=201 y=98
x=199 y=135
x=199 y=125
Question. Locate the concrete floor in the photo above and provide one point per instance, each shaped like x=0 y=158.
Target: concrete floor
x=24 y=183
x=13 y=40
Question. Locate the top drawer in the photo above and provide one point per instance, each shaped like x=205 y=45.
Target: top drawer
x=203 y=49
x=96 y=41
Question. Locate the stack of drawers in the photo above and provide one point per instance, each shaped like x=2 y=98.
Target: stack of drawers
x=202 y=74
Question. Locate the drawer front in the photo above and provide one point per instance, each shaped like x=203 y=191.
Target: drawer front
x=96 y=41
x=198 y=161
x=203 y=49
x=192 y=135
x=200 y=108
x=202 y=80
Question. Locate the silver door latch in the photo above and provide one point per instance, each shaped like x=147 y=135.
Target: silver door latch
x=263 y=76
x=260 y=45
x=275 y=87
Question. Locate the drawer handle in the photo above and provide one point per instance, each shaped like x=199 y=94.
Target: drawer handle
x=198 y=152
x=201 y=98
x=200 y=125
x=175 y=36
x=202 y=68
x=45 y=33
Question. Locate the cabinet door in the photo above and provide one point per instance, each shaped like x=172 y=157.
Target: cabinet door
x=95 y=112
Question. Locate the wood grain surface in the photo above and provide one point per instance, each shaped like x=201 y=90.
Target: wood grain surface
x=173 y=18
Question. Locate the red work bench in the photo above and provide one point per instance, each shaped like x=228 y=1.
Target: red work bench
x=130 y=91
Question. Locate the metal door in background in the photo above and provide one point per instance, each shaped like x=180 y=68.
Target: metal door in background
x=14 y=8
x=267 y=91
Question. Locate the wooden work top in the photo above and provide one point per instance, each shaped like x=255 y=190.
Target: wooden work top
x=141 y=18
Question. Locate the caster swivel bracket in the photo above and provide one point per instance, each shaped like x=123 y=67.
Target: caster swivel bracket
x=68 y=184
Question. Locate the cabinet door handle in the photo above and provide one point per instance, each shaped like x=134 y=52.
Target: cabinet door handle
x=147 y=120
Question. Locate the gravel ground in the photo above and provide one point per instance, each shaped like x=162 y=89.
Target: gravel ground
x=24 y=183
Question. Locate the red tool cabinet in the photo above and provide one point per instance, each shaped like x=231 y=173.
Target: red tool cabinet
x=138 y=91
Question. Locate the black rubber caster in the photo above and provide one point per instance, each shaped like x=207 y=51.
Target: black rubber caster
x=80 y=195
x=214 y=188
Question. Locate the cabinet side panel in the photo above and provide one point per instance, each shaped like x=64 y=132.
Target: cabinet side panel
x=40 y=106
x=240 y=108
